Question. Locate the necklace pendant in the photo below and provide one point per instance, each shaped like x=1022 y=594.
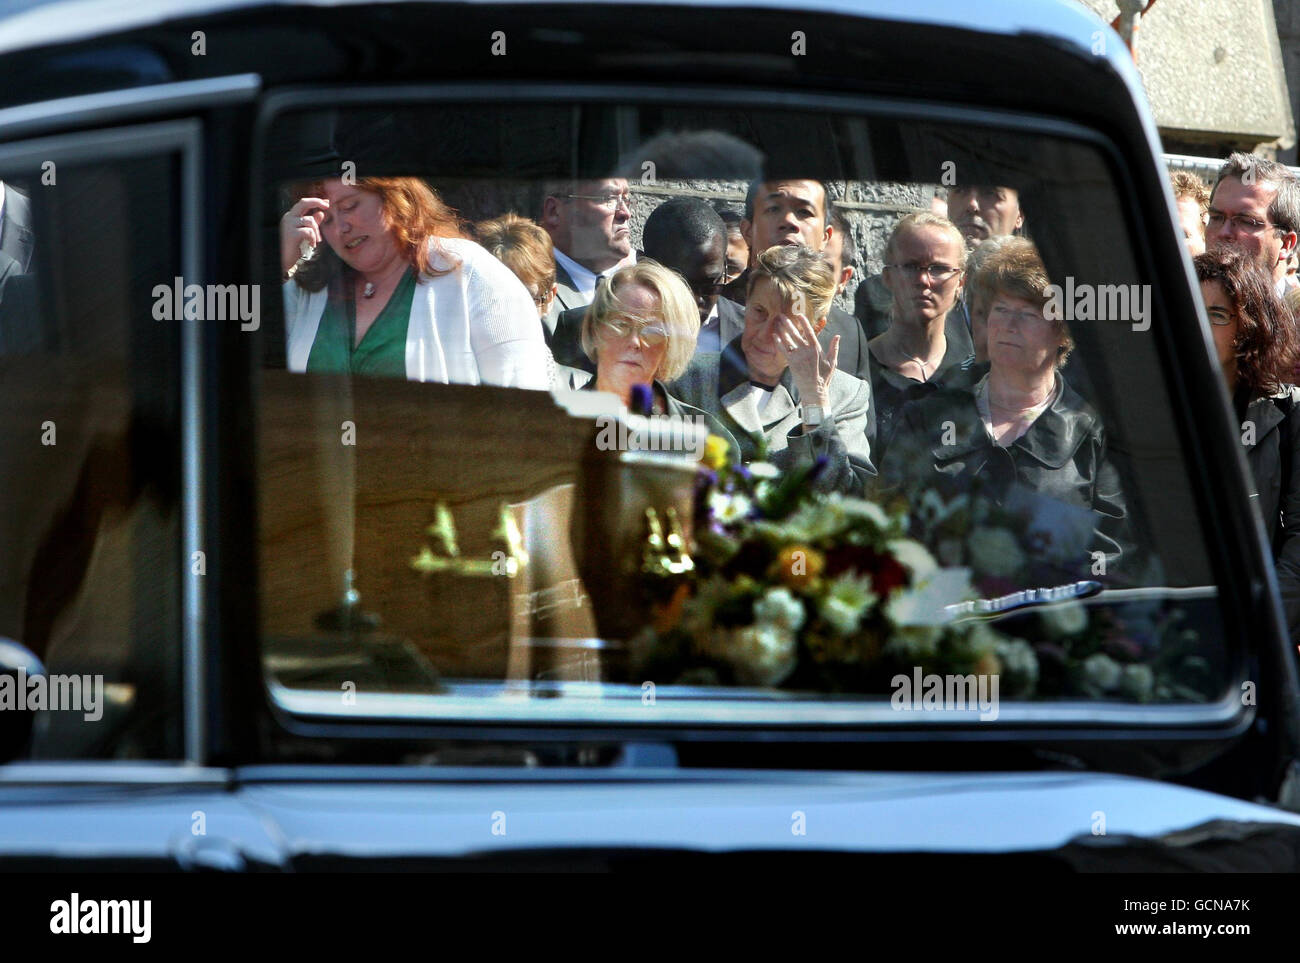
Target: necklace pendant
x=369 y=290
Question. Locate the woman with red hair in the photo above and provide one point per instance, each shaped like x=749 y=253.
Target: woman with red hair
x=398 y=291
x=1256 y=342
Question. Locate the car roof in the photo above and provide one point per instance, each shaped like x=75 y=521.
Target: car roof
x=28 y=24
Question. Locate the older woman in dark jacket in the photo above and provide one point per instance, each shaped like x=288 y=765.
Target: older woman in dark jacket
x=1021 y=432
x=1255 y=339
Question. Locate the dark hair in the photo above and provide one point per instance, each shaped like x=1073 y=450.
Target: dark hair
x=730 y=216
x=693 y=155
x=751 y=195
x=677 y=223
x=848 y=250
x=1266 y=344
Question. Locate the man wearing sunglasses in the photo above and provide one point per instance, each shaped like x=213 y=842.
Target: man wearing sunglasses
x=1255 y=208
x=589 y=224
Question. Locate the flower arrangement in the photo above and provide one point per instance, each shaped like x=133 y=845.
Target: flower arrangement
x=828 y=593
x=810 y=591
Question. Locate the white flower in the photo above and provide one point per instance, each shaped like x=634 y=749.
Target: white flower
x=759 y=654
x=913 y=644
x=927 y=603
x=728 y=508
x=1137 y=682
x=1019 y=665
x=845 y=602
x=862 y=510
x=1065 y=619
x=779 y=608
x=840 y=615
x=994 y=551
x=1101 y=672
x=763 y=469
x=913 y=556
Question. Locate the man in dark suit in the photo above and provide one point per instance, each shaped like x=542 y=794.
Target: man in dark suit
x=19 y=332
x=686 y=235
x=588 y=222
x=793 y=213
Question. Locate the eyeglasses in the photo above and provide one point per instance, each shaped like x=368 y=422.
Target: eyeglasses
x=935 y=273
x=650 y=334
x=1242 y=223
x=709 y=286
x=609 y=200
x=1006 y=315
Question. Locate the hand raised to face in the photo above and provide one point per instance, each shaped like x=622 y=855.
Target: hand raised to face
x=811 y=369
x=300 y=229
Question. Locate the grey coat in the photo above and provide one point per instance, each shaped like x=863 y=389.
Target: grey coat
x=567 y=297
x=719 y=384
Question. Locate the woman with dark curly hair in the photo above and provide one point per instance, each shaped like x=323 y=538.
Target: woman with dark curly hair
x=1257 y=345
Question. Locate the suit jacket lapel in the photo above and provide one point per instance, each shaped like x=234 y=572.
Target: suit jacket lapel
x=566 y=293
x=731 y=320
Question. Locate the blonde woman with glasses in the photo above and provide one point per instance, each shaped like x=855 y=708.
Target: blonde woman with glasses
x=640 y=331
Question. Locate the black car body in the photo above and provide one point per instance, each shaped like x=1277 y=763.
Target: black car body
x=183 y=96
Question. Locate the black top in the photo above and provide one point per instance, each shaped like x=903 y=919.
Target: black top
x=891 y=390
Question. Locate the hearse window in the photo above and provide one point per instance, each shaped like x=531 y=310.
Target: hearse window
x=463 y=509
x=89 y=451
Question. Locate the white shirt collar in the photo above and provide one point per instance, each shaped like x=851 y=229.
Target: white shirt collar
x=584 y=281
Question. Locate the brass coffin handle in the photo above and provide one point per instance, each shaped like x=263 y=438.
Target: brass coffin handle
x=509 y=562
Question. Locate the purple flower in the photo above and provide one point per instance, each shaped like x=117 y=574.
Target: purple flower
x=643 y=400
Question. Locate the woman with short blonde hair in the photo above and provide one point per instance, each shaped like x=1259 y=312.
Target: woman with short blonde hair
x=640 y=331
x=925 y=271
x=675 y=313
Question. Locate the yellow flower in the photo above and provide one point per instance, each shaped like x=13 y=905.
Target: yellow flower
x=715 y=452
x=797 y=566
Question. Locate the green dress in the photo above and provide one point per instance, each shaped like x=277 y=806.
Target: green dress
x=381 y=353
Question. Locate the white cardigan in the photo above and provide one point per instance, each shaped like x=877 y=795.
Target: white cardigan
x=476 y=324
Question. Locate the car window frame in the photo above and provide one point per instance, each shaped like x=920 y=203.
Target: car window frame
x=121 y=124
x=1228 y=717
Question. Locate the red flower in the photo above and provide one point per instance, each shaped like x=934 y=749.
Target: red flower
x=886 y=572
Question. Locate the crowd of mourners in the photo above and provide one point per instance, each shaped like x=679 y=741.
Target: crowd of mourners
x=951 y=374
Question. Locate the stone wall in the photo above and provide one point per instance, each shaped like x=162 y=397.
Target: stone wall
x=871 y=208
x=1287 y=15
